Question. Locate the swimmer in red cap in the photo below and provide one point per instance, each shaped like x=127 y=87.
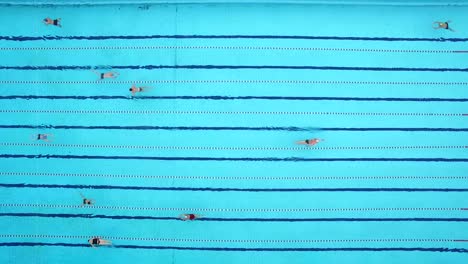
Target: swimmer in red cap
x=310 y=142
x=189 y=217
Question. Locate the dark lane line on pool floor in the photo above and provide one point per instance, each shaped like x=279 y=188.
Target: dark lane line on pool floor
x=367 y=249
x=249 y=159
x=298 y=98
x=219 y=219
x=195 y=128
x=228 y=67
x=36 y=244
x=211 y=189
x=297 y=37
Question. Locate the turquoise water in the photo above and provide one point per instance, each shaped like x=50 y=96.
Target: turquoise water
x=388 y=184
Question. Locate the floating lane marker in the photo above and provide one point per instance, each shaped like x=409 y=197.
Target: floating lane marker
x=257 y=48
x=200 y=112
x=254 y=210
x=261 y=178
x=234 y=81
x=376 y=240
x=222 y=147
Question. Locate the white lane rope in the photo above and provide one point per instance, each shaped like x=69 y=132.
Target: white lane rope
x=254 y=210
x=256 y=48
x=232 y=81
x=86 y=237
x=262 y=178
x=45 y=144
x=199 y=112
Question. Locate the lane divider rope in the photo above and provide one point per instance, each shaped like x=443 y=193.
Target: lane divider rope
x=229 y=81
x=224 y=112
x=43 y=144
x=268 y=178
x=234 y=48
x=232 y=240
x=289 y=210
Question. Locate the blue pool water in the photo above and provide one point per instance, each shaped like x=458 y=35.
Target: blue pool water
x=234 y=87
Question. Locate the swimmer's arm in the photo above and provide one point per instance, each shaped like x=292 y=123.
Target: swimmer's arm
x=91 y=244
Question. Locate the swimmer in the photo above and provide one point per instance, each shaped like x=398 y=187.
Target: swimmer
x=310 y=142
x=96 y=241
x=55 y=22
x=43 y=137
x=140 y=89
x=189 y=217
x=442 y=25
x=86 y=201
x=106 y=75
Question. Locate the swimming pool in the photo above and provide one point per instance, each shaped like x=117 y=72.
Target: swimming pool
x=234 y=87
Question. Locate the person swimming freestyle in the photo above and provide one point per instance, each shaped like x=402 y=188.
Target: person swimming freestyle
x=106 y=75
x=96 y=241
x=54 y=22
x=310 y=142
x=189 y=217
x=134 y=89
x=42 y=137
x=442 y=25
x=86 y=201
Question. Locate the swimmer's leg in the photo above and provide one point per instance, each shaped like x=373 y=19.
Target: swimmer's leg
x=146 y=88
x=98 y=74
x=436 y=25
x=49 y=138
x=106 y=242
